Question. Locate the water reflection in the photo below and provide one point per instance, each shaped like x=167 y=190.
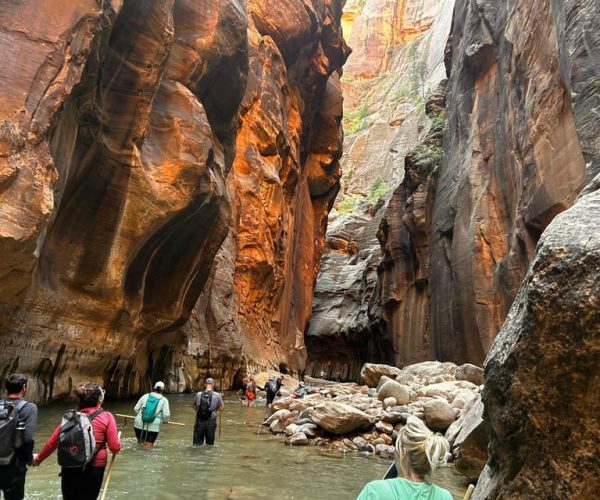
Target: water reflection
x=243 y=465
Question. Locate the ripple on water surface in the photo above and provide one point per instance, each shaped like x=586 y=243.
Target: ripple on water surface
x=243 y=465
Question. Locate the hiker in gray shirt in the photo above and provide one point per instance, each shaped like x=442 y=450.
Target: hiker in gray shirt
x=206 y=403
x=18 y=419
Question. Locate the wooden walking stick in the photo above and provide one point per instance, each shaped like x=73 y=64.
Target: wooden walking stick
x=219 y=410
x=110 y=469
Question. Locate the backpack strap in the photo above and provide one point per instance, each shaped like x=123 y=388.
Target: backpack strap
x=91 y=417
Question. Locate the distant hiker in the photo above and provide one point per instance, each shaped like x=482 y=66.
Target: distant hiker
x=322 y=375
x=272 y=387
x=152 y=409
x=242 y=391
x=18 y=419
x=206 y=403
x=338 y=376
x=418 y=453
x=299 y=392
x=251 y=391
x=82 y=455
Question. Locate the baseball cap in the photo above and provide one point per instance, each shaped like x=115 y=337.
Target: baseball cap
x=159 y=385
x=210 y=381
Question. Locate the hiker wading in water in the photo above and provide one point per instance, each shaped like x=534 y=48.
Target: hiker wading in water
x=206 y=403
x=82 y=455
x=418 y=453
x=272 y=387
x=151 y=410
x=17 y=431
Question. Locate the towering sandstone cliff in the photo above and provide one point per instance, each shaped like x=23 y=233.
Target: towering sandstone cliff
x=133 y=136
x=396 y=63
x=519 y=143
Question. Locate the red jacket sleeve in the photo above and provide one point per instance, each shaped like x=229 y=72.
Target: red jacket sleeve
x=112 y=435
x=50 y=445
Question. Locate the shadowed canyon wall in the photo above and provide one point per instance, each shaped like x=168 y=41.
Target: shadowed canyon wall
x=136 y=137
x=517 y=147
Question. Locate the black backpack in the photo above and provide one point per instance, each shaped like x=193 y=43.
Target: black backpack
x=76 y=443
x=204 y=412
x=9 y=420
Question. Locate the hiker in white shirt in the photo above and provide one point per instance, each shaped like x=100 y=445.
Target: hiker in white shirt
x=152 y=409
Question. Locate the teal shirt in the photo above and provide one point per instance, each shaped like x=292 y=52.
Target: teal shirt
x=402 y=489
x=162 y=414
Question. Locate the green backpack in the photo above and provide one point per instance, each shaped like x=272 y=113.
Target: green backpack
x=150 y=409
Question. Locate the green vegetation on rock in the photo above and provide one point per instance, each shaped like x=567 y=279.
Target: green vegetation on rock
x=356 y=120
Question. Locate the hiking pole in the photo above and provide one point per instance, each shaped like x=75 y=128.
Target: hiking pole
x=133 y=416
x=469 y=492
x=110 y=469
x=220 y=412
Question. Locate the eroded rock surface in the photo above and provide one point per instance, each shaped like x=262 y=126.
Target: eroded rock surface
x=542 y=371
x=120 y=123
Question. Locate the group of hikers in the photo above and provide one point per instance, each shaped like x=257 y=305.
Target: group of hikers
x=85 y=435
x=272 y=388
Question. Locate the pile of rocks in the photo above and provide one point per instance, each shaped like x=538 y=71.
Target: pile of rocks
x=366 y=418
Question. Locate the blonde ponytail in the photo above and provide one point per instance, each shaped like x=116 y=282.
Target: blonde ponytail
x=420 y=449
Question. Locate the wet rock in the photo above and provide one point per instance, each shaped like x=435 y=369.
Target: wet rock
x=350 y=445
x=278 y=415
x=470 y=373
x=439 y=415
x=371 y=373
x=277 y=427
x=299 y=439
x=291 y=429
x=360 y=443
x=339 y=418
x=384 y=450
x=309 y=429
x=384 y=427
x=395 y=417
x=391 y=388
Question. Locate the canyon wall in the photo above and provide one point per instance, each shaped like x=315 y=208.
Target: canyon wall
x=518 y=143
x=136 y=137
x=396 y=63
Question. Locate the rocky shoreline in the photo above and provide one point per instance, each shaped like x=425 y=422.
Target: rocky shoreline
x=349 y=417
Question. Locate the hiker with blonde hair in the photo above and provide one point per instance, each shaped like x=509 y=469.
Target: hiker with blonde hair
x=418 y=453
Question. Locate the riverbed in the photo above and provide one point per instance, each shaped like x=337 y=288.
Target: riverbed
x=244 y=464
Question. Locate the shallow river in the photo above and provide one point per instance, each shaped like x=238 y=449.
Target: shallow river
x=243 y=465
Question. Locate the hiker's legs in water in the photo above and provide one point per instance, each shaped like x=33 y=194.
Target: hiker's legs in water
x=12 y=482
x=270 y=398
x=211 y=431
x=81 y=484
x=200 y=432
x=145 y=438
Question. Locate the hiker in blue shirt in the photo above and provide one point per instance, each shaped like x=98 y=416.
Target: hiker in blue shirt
x=152 y=409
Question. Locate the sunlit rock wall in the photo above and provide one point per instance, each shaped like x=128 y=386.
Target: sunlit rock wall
x=119 y=126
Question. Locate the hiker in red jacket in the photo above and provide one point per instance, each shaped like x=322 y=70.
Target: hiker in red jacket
x=83 y=481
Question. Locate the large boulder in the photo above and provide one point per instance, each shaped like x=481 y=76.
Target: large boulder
x=371 y=373
x=339 y=418
x=542 y=374
x=470 y=373
x=439 y=415
x=393 y=389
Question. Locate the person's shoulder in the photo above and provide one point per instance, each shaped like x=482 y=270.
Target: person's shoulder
x=443 y=494
x=379 y=488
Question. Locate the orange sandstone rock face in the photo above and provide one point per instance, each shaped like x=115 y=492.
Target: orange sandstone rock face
x=119 y=129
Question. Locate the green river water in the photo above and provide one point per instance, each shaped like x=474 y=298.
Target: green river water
x=243 y=465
